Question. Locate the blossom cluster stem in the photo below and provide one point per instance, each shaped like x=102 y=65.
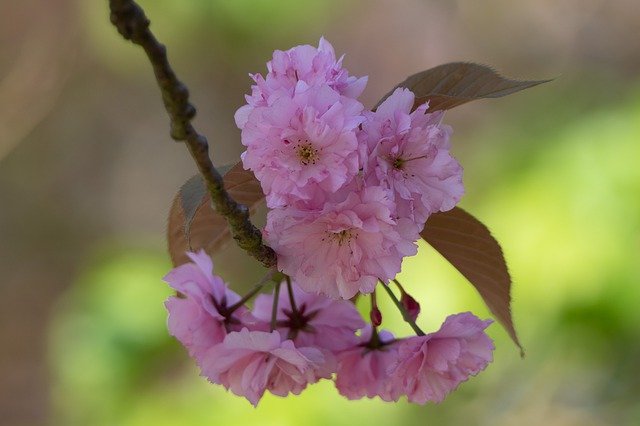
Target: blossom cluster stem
x=403 y=311
x=130 y=20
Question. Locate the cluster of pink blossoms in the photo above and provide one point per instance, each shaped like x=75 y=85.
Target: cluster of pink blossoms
x=349 y=191
x=313 y=337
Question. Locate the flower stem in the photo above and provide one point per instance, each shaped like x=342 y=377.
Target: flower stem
x=375 y=315
x=374 y=341
x=402 y=310
x=266 y=279
x=399 y=286
x=292 y=299
x=274 y=310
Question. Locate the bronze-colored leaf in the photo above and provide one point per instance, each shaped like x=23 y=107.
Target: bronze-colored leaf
x=449 y=85
x=192 y=194
x=193 y=224
x=469 y=246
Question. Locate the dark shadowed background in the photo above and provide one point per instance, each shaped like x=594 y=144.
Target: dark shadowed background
x=87 y=172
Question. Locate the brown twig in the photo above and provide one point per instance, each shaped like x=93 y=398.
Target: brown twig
x=131 y=22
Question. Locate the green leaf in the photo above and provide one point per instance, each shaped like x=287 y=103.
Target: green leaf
x=469 y=246
x=449 y=85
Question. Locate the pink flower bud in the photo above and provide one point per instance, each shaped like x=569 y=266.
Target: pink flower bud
x=376 y=316
x=411 y=305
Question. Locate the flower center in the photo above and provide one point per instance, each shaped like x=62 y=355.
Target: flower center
x=397 y=163
x=306 y=152
x=298 y=321
x=342 y=237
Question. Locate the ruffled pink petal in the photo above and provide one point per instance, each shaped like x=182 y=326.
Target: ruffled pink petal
x=430 y=367
x=248 y=363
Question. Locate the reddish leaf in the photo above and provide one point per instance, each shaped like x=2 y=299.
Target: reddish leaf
x=193 y=224
x=469 y=246
x=449 y=85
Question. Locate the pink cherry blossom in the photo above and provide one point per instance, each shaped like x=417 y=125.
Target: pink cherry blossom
x=196 y=329
x=343 y=249
x=318 y=321
x=409 y=152
x=251 y=362
x=431 y=366
x=364 y=371
x=303 y=144
x=196 y=317
x=307 y=64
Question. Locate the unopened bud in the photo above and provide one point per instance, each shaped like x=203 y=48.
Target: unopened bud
x=410 y=305
x=376 y=316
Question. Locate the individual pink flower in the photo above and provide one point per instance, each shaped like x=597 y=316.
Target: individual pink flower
x=343 y=249
x=251 y=362
x=364 y=370
x=431 y=366
x=303 y=144
x=310 y=65
x=409 y=152
x=197 y=316
x=317 y=321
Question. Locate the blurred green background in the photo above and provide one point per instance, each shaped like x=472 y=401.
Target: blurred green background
x=87 y=172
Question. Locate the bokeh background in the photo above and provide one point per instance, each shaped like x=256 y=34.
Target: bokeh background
x=87 y=172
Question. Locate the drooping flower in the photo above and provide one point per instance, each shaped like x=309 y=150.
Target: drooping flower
x=198 y=317
x=303 y=144
x=409 y=152
x=431 y=366
x=310 y=65
x=251 y=362
x=316 y=321
x=343 y=249
x=364 y=370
